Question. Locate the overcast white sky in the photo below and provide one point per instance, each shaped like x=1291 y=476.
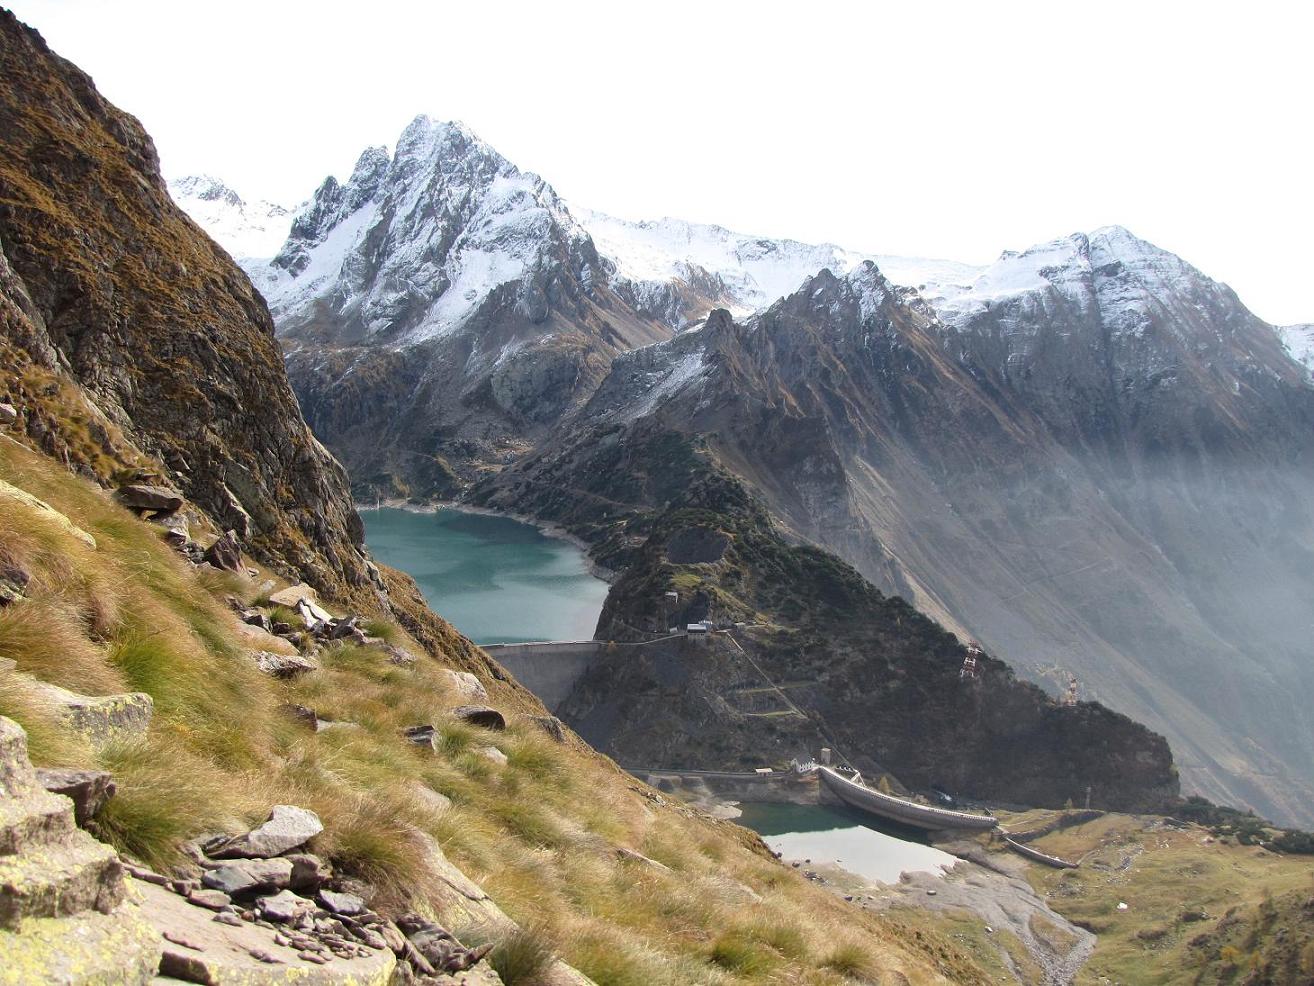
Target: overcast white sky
x=938 y=129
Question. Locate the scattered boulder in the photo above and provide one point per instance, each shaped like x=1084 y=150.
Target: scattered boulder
x=254 y=618
x=13 y=583
x=87 y=789
x=283 y=907
x=433 y=800
x=348 y=904
x=423 y=735
x=346 y=629
x=249 y=876
x=225 y=553
x=286 y=828
x=283 y=665
x=157 y=501
x=492 y=753
x=466 y=685
x=480 y=715
x=399 y=656
x=309 y=872
x=9 y=414
x=551 y=725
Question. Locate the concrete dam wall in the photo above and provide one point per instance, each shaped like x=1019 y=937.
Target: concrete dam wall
x=549 y=669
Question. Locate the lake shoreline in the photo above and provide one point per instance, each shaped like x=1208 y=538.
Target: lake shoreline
x=547 y=528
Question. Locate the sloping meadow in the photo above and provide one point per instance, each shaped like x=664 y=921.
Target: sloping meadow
x=619 y=882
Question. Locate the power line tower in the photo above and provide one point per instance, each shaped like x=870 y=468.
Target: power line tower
x=971 y=669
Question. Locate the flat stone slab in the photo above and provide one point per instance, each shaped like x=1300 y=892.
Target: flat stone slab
x=159 y=500
x=248 y=876
x=286 y=828
x=115 y=949
x=230 y=952
x=102 y=719
x=15 y=495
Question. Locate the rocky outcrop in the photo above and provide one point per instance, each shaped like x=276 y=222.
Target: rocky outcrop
x=133 y=338
x=65 y=916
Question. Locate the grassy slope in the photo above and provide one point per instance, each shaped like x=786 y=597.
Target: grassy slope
x=1168 y=878
x=539 y=834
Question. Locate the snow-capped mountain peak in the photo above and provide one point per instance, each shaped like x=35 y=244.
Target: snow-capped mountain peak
x=414 y=244
x=245 y=229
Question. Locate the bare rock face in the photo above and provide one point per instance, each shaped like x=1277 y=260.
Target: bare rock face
x=64 y=913
x=225 y=553
x=89 y=790
x=155 y=501
x=168 y=349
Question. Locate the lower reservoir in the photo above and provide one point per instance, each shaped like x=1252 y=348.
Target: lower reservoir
x=826 y=834
x=499 y=581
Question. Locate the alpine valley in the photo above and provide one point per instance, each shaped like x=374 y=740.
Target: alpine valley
x=1087 y=455
x=996 y=577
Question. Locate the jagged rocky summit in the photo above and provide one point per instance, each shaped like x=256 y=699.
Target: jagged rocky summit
x=245 y=229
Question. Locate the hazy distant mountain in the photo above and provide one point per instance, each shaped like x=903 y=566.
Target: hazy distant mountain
x=244 y=229
x=1091 y=456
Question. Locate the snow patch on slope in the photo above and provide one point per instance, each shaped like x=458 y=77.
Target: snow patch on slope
x=757 y=270
x=1299 y=343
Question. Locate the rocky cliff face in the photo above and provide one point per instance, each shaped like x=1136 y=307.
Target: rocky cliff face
x=1097 y=462
x=826 y=659
x=133 y=338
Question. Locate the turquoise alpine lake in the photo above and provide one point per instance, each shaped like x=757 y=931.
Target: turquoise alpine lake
x=499 y=581
x=826 y=834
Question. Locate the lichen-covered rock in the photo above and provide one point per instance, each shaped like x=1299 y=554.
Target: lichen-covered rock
x=465 y=685
x=102 y=719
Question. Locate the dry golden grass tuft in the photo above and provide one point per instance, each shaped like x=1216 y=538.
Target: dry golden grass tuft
x=540 y=833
